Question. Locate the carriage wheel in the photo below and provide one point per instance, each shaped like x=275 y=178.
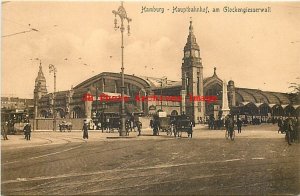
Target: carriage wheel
x=169 y=132
x=232 y=136
x=288 y=137
x=226 y=134
x=175 y=132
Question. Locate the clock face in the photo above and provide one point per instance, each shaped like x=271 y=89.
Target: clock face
x=187 y=53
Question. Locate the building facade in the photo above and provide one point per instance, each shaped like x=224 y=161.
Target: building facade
x=242 y=101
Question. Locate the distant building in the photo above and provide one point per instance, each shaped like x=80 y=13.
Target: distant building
x=14 y=103
x=242 y=101
x=18 y=105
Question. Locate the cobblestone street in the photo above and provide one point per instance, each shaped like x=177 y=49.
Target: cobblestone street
x=258 y=161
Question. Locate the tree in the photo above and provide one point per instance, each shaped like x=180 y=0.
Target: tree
x=295 y=94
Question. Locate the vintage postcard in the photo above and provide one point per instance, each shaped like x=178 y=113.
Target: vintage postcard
x=150 y=98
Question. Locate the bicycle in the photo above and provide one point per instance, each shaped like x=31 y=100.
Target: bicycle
x=232 y=135
x=226 y=134
x=288 y=137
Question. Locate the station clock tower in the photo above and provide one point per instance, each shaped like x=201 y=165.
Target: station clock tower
x=40 y=88
x=192 y=78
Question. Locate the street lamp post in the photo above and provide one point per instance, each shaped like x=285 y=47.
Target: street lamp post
x=53 y=69
x=123 y=16
x=163 y=79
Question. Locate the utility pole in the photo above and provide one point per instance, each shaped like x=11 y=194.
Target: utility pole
x=161 y=87
x=53 y=69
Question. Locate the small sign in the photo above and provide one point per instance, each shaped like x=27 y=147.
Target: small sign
x=162 y=114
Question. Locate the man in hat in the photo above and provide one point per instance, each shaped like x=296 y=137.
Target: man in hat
x=27 y=131
x=239 y=125
x=229 y=124
x=5 y=130
x=85 y=130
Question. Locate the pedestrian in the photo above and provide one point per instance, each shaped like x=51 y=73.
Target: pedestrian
x=230 y=126
x=239 y=125
x=4 y=131
x=280 y=125
x=151 y=123
x=139 y=127
x=155 y=126
x=131 y=122
x=27 y=131
x=107 y=125
x=85 y=130
x=190 y=130
x=200 y=120
x=212 y=123
x=289 y=129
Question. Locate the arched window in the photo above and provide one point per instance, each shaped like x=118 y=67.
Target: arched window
x=77 y=112
x=174 y=113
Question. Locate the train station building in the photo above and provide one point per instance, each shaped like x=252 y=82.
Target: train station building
x=245 y=102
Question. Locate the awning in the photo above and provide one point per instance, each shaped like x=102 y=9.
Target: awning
x=112 y=94
x=111 y=97
x=116 y=108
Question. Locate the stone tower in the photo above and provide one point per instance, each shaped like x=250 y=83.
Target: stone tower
x=40 y=88
x=192 y=77
x=231 y=93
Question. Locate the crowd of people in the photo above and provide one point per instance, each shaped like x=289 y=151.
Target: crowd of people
x=286 y=125
x=291 y=127
x=221 y=122
x=113 y=122
x=5 y=130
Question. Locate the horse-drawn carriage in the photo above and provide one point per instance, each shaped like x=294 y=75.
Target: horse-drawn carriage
x=161 y=122
x=113 y=122
x=183 y=124
x=165 y=125
x=63 y=126
x=175 y=124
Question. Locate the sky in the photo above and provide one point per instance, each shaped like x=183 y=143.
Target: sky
x=256 y=50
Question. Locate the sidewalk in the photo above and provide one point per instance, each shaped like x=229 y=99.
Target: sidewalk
x=197 y=126
x=50 y=137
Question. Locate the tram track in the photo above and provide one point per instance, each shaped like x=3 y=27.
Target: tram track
x=52 y=186
x=47 y=154
x=90 y=152
x=27 y=164
x=168 y=182
x=285 y=157
x=161 y=166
